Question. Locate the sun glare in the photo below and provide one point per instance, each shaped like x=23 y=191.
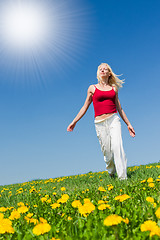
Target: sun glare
x=25 y=26
x=37 y=35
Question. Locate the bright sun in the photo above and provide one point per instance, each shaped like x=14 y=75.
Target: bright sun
x=38 y=35
x=25 y=26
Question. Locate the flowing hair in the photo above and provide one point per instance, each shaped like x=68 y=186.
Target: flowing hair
x=113 y=80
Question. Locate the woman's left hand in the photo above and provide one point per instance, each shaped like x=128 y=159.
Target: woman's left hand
x=131 y=130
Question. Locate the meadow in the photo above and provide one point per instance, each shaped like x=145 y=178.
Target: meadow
x=87 y=206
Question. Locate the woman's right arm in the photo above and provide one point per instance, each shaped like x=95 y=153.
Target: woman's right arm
x=83 y=110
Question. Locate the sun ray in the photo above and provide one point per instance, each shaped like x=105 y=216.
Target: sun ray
x=37 y=34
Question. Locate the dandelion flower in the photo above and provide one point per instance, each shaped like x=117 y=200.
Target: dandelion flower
x=101 y=201
x=112 y=220
x=143 y=181
x=63 y=189
x=149 y=180
x=3 y=209
x=150 y=199
x=151 y=185
x=76 y=203
x=55 y=205
x=20 y=204
x=29 y=215
x=104 y=206
x=87 y=208
x=14 y=215
x=150 y=226
x=43 y=199
x=110 y=188
x=22 y=209
x=102 y=189
x=122 y=198
x=86 y=200
x=5 y=226
x=41 y=228
x=42 y=220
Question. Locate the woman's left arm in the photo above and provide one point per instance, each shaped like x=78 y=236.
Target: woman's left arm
x=124 y=117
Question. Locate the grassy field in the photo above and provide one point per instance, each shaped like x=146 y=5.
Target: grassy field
x=87 y=206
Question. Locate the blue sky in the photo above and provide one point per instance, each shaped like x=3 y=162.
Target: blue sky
x=37 y=106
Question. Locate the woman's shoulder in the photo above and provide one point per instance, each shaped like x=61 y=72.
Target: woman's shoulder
x=92 y=88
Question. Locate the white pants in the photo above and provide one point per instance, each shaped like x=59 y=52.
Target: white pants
x=109 y=135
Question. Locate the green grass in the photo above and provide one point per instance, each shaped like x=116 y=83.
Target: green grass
x=90 y=225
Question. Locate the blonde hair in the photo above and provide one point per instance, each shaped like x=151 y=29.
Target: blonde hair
x=113 y=79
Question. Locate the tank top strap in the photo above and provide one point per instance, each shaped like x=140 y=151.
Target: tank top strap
x=113 y=88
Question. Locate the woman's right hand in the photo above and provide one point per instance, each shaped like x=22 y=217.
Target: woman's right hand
x=71 y=127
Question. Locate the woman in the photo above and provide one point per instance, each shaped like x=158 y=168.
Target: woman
x=107 y=122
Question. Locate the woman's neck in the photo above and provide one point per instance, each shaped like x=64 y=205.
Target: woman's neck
x=104 y=83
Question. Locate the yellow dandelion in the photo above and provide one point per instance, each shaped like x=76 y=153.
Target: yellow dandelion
x=1 y=216
x=76 y=203
x=150 y=199
x=143 y=181
x=63 y=189
x=149 y=166
x=110 y=188
x=3 y=209
x=86 y=200
x=104 y=206
x=49 y=200
x=155 y=231
x=102 y=189
x=122 y=198
x=54 y=193
x=41 y=228
x=43 y=199
x=148 y=225
x=151 y=185
x=149 y=180
x=6 y=226
x=34 y=221
x=61 y=200
x=14 y=215
x=87 y=208
x=65 y=196
x=158 y=212
x=151 y=226
x=29 y=215
x=20 y=204
x=55 y=205
x=112 y=220
x=69 y=218
x=22 y=209
x=126 y=220
x=42 y=220
x=101 y=201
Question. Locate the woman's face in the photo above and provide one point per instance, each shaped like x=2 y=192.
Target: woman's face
x=104 y=71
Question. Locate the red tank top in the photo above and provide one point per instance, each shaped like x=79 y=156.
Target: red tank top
x=104 y=101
